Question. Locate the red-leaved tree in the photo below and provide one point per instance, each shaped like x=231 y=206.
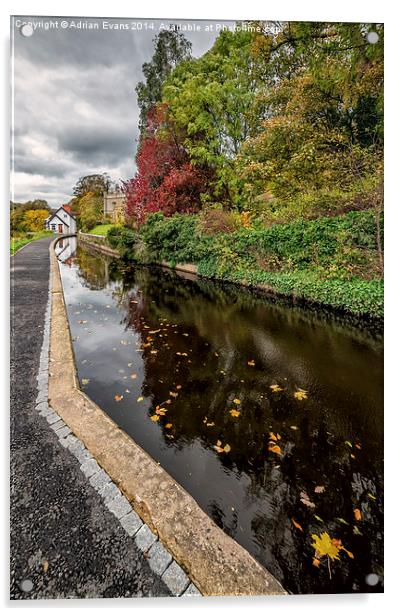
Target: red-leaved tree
x=165 y=180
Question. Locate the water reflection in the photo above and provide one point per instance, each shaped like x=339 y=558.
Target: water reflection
x=170 y=357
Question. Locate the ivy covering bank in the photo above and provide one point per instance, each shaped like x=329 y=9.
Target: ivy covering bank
x=332 y=261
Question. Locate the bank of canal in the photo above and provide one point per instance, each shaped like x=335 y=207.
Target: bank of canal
x=270 y=417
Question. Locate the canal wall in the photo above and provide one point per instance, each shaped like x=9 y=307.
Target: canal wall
x=168 y=516
x=99 y=243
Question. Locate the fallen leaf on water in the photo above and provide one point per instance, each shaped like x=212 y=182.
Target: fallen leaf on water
x=85 y=381
x=118 y=398
x=168 y=425
x=318 y=518
x=45 y=566
x=275 y=449
x=140 y=399
x=300 y=394
x=293 y=427
x=178 y=386
x=169 y=436
x=173 y=394
x=356 y=530
x=234 y=413
x=211 y=423
x=133 y=376
x=342 y=521
x=160 y=411
x=316 y=562
x=155 y=417
x=219 y=443
x=227 y=448
x=275 y=437
x=275 y=388
x=357 y=445
x=371 y=496
x=236 y=401
x=348 y=443
x=297 y=525
x=324 y=547
x=304 y=498
x=319 y=489
x=357 y=514
x=251 y=363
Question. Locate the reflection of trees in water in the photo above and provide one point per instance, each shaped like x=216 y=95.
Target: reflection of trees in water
x=314 y=454
x=227 y=328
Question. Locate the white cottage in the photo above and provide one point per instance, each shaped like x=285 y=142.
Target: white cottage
x=62 y=221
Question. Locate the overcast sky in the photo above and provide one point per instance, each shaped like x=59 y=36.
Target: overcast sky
x=74 y=102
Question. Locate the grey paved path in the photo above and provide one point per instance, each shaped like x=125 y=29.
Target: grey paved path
x=63 y=539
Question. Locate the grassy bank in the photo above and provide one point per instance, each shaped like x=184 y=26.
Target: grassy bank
x=102 y=229
x=18 y=241
x=330 y=261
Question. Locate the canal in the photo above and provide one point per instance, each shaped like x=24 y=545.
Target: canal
x=270 y=416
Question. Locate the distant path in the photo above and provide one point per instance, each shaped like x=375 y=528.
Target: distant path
x=56 y=516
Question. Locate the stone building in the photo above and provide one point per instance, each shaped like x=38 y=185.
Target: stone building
x=114 y=206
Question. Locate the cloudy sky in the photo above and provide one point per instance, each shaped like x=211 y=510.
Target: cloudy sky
x=74 y=102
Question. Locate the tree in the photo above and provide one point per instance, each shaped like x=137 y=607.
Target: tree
x=97 y=184
x=214 y=100
x=323 y=130
x=90 y=210
x=165 y=181
x=170 y=48
x=34 y=220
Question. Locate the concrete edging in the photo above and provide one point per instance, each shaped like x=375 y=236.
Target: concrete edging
x=215 y=563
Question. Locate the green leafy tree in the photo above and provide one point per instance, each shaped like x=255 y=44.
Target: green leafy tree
x=215 y=100
x=97 y=184
x=170 y=48
x=90 y=210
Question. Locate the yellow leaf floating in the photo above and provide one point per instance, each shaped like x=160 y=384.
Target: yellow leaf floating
x=118 y=398
x=300 y=394
x=236 y=401
x=140 y=399
x=234 y=413
x=168 y=425
x=275 y=388
x=251 y=363
x=324 y=546
x=275 y=449
x=357 y=514
x=155 y=417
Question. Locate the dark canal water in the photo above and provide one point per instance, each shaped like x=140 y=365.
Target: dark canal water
x=271 y=417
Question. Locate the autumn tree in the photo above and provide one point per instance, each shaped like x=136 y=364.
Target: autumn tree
x=323 y=131
x=90 y=210
x=166 y=180
x=34 y=220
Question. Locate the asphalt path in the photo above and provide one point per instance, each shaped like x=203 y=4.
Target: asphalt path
x=63 y=540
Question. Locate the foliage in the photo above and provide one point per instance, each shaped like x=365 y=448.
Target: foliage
x=34 y=220
x=90 y=210
x=330 y=261
x=170 y=48
x=213 y=99
x=97 y=184
x=18 y=222
x=165 y=180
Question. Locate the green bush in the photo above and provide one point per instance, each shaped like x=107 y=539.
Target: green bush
x=331 y=261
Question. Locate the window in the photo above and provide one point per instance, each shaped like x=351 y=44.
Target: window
x=53 y=227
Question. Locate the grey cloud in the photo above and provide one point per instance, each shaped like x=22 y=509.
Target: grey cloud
x=75 y=105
